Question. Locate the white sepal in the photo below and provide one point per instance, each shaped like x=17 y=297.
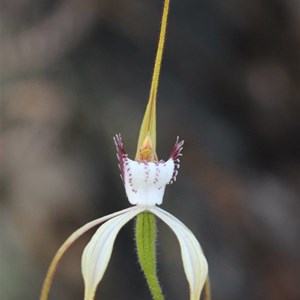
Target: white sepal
x=194 y=262
x=66 y=245
x=97 y=253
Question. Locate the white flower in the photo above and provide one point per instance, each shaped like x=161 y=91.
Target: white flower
x=145 y=181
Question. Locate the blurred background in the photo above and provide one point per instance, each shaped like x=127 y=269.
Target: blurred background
x=76 y=72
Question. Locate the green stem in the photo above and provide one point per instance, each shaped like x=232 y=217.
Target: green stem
x=145 y=236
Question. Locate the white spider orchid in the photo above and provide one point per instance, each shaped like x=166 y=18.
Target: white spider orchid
x=145 y=183
x=145 y=180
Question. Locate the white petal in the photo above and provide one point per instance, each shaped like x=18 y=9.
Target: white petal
x=97 y=253
x=194 y=262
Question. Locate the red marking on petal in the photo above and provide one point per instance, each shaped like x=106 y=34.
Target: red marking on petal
x=175 y=154
x=176 y=151
x=121 y=155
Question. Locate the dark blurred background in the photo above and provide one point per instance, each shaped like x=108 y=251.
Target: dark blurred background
x=75 y=72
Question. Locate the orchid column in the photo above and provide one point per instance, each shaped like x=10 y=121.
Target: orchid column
x=145 y=180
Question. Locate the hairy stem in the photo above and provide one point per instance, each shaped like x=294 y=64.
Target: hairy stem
x=145 y=236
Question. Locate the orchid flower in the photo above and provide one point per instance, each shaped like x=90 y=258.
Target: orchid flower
x=145 y=183
x=145 y=179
